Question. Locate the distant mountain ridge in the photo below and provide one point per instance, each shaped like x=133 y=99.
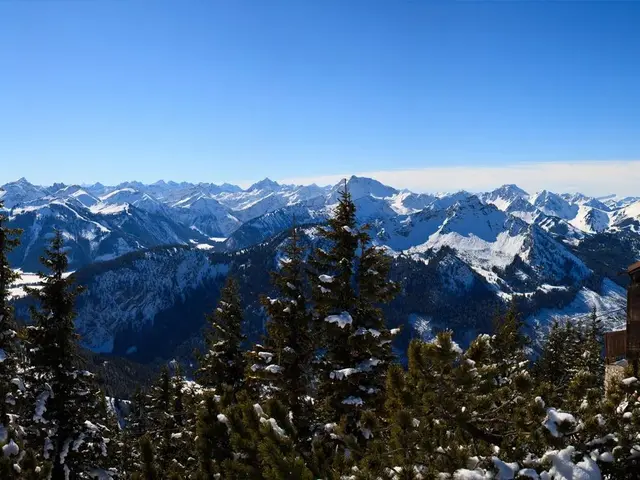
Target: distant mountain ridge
x=102 y=222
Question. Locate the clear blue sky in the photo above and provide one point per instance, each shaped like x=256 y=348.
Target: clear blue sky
x=239 y=90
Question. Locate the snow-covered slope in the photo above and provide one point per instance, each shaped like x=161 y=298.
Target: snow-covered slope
x=616 y=201
x=627 y=216
x=118 y=200
x=359 y=187
x=521 y=208
x=499 y=246
x=591 y=220
x=75 y=194
x=206 y=215
x=92 y=236
x=609 y=302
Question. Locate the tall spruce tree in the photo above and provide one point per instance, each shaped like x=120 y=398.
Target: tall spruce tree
x=12 y=358
x=594 y=355
x=69 y=423
x=222 y=366
x=166 y=423
x=349 y=281
x=559 y=362
x=282 y=366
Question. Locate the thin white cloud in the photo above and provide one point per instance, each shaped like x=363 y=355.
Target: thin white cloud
x=594 y=178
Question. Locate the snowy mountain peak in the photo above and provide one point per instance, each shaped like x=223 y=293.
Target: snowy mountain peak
x=361 y=186
x=229 y=187
x=512 y=189
x=575 y=197
x=504 y=196
x=20 y=192
x=553 y=204
x=266 y=184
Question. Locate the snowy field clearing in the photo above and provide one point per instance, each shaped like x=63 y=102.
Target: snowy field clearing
x=27 y=279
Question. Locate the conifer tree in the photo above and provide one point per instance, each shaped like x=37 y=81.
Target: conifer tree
x=167 y=413
x=243 y=422
x=184 y=413
x=262 y=443
x=583 y=388
x=559 y=362
x=162 y=421
x=213 y=447
x=69 y=424
x=594 y=355
x=12 y=358
x=406 y=445
x=279 y=457
x=223 y=365
x=137 y=424
x=282 y=366
x=350 y=283
x=500 y=397
x=148 y=468
x=452 y=405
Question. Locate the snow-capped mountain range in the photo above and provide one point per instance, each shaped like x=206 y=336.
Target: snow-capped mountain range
x=102 y=222
x=560 y=252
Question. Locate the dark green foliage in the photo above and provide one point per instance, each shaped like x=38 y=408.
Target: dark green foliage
x=148 y=468
x=168 y=413
x=11 y=352
x=213 y=447
x=594 y=359
x=278 y=456
x=244 y=430
x=570 y=368
x=350 y=283
x=282 y=367
x=262 y=442
x=223 y=365
x=69 y=423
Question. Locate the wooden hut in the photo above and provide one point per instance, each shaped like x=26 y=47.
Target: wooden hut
x=623 y=346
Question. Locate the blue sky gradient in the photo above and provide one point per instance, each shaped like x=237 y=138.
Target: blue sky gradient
x=239 y=90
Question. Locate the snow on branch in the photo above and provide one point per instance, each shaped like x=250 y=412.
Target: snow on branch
x=556 y=419
x=274 y=426
x=342 y=320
